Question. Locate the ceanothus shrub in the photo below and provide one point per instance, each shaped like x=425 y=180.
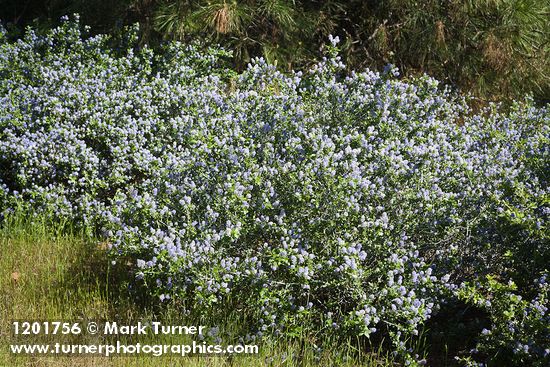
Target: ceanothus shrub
x=352 y=203
x=520 y=329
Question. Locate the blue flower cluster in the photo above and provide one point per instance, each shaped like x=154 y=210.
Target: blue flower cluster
x=352 y=202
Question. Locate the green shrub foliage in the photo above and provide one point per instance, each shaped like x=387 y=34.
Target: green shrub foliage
x=351 y=204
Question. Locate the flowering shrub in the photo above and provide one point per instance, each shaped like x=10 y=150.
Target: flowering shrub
x=520 y=329
x=313 y=200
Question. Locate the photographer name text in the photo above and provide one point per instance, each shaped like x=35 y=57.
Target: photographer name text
x=154 y=328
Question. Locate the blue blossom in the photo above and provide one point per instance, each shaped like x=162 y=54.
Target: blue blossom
x=359 y=194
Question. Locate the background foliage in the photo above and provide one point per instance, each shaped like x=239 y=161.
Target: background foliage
x=492 y=48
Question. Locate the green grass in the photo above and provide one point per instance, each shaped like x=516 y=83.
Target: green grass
x=51 y=272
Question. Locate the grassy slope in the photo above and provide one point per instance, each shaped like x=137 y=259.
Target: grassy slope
x=52 y=274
